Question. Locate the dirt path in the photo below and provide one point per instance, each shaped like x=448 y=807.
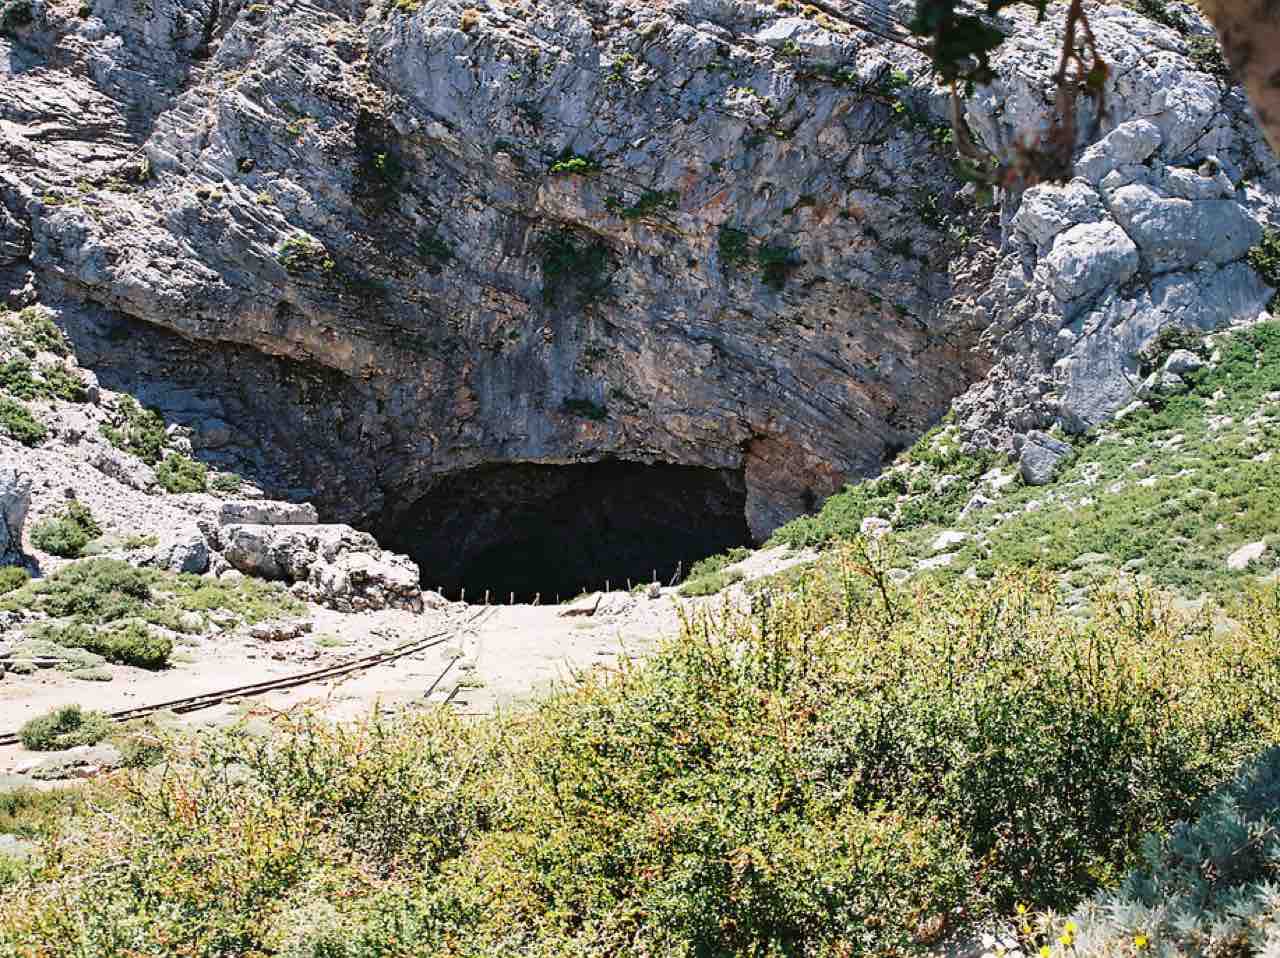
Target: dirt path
x=492 y=659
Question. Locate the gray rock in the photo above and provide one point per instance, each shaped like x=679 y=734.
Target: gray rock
x=584 y=606
x=1129 y=143
x=267 y=512
x=1088 y=258
x=873 y=527
x=187 y=552
x=948 y=539
x=1041 y=457
x=1183 y=361
x=654 y=590
x=1162 y=383
x=1175 y=233
x=280 y=631
x=1245 y=556
x=1049 y=209
x=122 y=467
x=15 y=239
x=339 y=566
x=83 y=761
x=15 y=500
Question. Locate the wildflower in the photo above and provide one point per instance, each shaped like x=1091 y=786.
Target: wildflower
x=1140 y=941
x=1044 y=951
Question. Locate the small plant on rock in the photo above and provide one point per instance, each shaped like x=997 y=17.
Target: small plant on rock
x=139 y=431
x=66 y=535
x=1265 y=259
x=179 y=473
x=18 y=424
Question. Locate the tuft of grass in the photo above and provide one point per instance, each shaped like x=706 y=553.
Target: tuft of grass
x=64 y=727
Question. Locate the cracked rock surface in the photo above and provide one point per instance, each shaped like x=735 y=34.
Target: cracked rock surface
x=354 y=249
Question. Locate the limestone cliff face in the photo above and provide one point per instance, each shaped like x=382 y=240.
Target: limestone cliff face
x=360 y=249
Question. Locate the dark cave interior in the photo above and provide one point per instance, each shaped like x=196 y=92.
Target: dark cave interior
x=557 y=530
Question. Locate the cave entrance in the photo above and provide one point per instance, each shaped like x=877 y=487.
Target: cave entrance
x=558 y=530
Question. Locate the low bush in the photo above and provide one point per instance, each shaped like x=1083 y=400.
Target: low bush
x=228 y=482
x=13 y=577
x=66 y=535
x=138 y=430
x=179 y=473
x=849 y=769
x=64 y=727
x=18 y=424
x=126 y=643
x=94 y=590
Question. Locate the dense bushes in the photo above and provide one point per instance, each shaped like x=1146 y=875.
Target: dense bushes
x=67 y=534
x=65 y=727
x=848 y=770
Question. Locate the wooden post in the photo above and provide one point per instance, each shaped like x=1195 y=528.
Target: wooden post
x=537 y=598
x=513 y=599
x=486 y=596
x=464 y=594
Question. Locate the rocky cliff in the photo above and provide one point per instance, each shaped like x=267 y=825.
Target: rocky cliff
x=392 y=258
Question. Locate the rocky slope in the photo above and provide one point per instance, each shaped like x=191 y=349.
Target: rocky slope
x=363 y=251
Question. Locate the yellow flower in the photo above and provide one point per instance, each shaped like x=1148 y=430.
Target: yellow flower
x=1044 y=951
x=1022 y=909
x=1071 y=927
x=1065 y=939
x=1140 y=941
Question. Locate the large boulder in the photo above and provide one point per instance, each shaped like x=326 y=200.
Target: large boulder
x=267 y=512
x=340 y=566
x=15 y=500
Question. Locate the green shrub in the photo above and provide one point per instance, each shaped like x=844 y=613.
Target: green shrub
x=15 y=14
x=64 y=727
x=13 y=577
x=139 y=431
x=1265 y=259
x=95 y=590
x=18 y=424
x=29 y=812
x=228 y=482
x=844 y=771
x=179 y=473
x=573 y=164
x=127 y=643
x=710 y=583
x=66 y=535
